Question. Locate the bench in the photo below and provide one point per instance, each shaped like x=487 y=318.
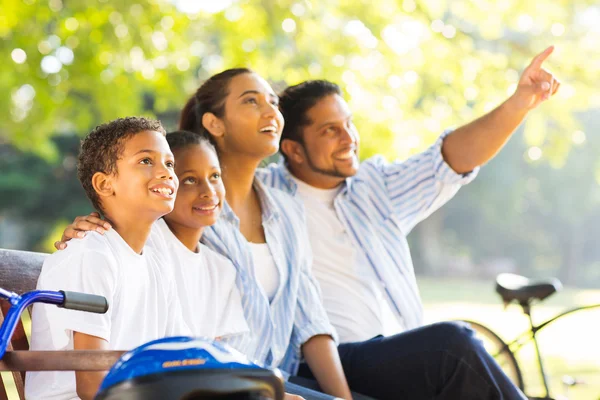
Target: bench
x=19 y=271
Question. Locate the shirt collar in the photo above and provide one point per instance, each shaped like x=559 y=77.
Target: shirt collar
x=267 y=205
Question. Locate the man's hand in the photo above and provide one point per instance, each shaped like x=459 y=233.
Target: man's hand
x=477 y=142
x=77 y=229
x=536 y=83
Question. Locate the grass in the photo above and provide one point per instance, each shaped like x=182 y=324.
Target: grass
x=570 y=345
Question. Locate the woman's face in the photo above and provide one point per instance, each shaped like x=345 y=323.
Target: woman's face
x=252 y=121
x=201 y=192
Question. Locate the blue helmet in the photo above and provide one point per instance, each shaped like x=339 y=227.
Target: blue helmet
x=188 y=368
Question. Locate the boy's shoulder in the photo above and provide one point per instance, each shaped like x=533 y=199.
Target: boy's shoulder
x=93 y=246
x=91 y=242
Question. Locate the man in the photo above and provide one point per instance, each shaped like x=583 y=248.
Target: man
x=359 y=214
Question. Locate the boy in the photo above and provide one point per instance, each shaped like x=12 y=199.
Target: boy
x=127 y=171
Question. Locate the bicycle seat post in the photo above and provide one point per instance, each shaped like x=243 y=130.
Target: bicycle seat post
x=526 y=306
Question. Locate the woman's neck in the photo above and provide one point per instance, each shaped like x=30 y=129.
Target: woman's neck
x=238 y=177
x=188 y=236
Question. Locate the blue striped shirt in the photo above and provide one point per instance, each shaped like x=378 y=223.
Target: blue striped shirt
x=278 y=329
x=379 y=206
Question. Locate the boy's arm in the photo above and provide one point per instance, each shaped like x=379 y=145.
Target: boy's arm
x=88 y=382
x=321 y=355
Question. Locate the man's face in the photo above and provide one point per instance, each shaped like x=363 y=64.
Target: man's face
x=330 y=142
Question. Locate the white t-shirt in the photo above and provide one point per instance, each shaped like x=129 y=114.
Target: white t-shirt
x=265 y=269
x=352 y=296
x=142 y=298
x=210 y=300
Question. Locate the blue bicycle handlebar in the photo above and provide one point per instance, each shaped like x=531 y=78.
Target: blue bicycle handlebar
x=69 y=300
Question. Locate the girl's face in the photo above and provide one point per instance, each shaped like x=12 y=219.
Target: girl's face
x=252 y=122
x=201 y=192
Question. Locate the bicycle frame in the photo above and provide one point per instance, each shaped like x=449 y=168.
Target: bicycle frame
x=18 y=305
x=530 y=334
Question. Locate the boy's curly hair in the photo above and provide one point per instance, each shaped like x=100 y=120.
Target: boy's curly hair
x=103 y=146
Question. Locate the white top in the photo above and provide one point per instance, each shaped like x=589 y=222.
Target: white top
x=209 y=297
x=141 y=294
x=351 y=292
x=265 y=269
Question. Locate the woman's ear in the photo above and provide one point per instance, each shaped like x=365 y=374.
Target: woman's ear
x=213 y=124
x=293 y=150
x=102 y=184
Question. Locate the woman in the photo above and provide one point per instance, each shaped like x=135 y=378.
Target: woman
x=262 y=230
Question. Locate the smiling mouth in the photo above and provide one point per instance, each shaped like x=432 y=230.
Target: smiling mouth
x=269 y=129
x=163 y=192
x=206 y=209
x=346 y=155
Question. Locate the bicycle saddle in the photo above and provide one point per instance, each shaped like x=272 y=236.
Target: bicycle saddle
x=513 y=287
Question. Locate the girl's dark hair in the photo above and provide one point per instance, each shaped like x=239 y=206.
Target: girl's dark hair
x=183 y=139
x=210 y=97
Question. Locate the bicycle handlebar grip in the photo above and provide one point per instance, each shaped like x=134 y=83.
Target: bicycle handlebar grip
x=84 y=302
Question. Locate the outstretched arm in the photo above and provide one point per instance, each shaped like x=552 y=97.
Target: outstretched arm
x=477 y=142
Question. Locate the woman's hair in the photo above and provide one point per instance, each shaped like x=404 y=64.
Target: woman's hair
x=210 y=97
x=183 y=139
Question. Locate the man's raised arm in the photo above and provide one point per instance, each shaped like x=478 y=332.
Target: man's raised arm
x=477 y=142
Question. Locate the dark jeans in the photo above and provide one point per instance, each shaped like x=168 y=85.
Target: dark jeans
x=439 y=361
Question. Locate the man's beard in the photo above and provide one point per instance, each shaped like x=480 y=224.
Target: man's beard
x=332 y=172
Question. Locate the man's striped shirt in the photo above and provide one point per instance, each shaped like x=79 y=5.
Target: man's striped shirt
x=378 y=208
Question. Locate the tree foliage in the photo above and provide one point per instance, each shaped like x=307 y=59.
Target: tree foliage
x=409 y=68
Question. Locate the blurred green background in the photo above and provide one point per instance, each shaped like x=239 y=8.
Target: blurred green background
x=409 y=68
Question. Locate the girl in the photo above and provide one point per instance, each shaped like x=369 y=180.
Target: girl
x=210 y=300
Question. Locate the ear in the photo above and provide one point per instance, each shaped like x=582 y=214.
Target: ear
x=102 y=184
x=213 y=124
x=294 y=151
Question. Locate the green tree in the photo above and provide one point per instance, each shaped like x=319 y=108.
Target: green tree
x=409 y=68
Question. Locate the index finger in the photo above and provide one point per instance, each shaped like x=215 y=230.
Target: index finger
x=540 y=58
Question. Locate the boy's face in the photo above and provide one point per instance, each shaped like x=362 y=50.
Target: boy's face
x=201 y=191
x=145 y=180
